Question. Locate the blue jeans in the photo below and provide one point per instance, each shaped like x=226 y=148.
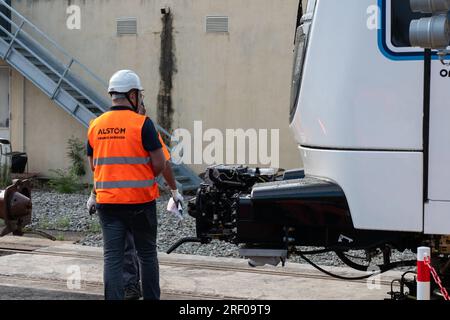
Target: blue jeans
x=142 y=225
x=131 y=275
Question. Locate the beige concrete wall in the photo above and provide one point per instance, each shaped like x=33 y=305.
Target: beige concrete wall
x=47 y=130
x=235 y=80
x=16 y=96
x=17 y=109
x=40 y=128
x=16 y=105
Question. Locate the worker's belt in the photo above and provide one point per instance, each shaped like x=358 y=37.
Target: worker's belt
x=124 y=184
x=121 y=160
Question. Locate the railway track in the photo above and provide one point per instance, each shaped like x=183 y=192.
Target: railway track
x=8 y=250
x=96 y=289
x=90 y=288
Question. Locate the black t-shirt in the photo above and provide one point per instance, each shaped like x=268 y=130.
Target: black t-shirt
x=150 y=142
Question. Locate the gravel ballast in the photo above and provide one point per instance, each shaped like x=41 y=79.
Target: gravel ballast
x=68 y=213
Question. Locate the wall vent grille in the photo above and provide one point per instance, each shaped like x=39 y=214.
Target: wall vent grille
x=126 y=26
x=216 y=24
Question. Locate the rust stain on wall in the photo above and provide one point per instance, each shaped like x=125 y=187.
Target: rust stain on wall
x=167 y=68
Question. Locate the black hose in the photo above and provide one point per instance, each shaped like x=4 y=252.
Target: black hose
x=335 y=275
x=183 y=241
x=313 y=252
x=383 y=268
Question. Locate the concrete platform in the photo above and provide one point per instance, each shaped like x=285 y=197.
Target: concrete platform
x=61 y=270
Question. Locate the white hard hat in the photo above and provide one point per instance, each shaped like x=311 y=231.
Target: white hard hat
x=124 y=81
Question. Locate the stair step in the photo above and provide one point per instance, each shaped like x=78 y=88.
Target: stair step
x=83 y=100
x=79 y=97
x=28 y=55
x=94 y=109
x=48 y=72
x=53 y=76
x=31 y=57
x=190 y=187
x=22 y=51
x=39 y=64
x=176 y=170
x=17 y=46
x=35 y=61
x=183 y=178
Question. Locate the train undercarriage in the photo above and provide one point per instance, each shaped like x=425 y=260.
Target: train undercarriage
x=271 y=215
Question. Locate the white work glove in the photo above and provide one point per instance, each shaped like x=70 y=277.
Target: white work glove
x=177 y=197
x=175 y=204
x=91 y=203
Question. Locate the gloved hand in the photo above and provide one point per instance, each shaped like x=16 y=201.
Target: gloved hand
x=91 y=203
x=177 y=197
x=175 y=204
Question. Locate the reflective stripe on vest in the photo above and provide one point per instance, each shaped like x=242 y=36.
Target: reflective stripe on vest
x=121 y=160
x=124 y=184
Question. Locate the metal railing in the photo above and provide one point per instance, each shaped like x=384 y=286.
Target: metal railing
x=25 y=21
x=19 y=36
x=65 y=72
x=72 y=61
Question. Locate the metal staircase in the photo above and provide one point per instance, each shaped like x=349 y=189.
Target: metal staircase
x=66 y=81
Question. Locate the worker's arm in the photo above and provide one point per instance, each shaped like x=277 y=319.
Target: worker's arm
x=90 y=154
x=170 y=179
x=91 y=203
x=152 y=144
x=169 y=176
x=158 y=161
x=91 y=163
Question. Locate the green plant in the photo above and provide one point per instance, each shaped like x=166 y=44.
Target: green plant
x=60 y=237
x=76 y=152
x=94 y=227
x=5 y=176
x=44 y=223
x=64 y=181
x=63 y=223
x=68 y=180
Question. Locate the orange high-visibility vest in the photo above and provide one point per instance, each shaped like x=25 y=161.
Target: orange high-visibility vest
x=123 y=172
x=164 y=147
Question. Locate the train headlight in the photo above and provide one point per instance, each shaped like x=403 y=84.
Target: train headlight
x=430 y=6
x=430 y=33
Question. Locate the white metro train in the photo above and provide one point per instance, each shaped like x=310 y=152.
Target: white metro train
x=371 y=114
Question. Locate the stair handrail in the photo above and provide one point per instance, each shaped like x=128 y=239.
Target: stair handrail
x=62 y=50
x=24 y=20
x=61 y=75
